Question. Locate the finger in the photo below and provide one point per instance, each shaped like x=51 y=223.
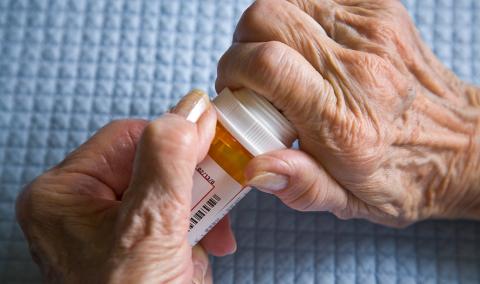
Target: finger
x=220 y=241
x=265 y=67
x=206 y=131
x=194 y=106
x=320 y=30
x=201 y=266
x=209 y=276
x=360 y=25
x=298 y=180
x=282 y=21
x=342 y=20
x=302 y=184
x=170 y=146
x=324 y=12
x=161 y=187
x=108 y=156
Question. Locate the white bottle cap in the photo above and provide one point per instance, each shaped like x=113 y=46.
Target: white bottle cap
x=253 y=121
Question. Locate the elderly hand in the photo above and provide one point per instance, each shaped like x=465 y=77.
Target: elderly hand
x=387 y=132
x=115 y=211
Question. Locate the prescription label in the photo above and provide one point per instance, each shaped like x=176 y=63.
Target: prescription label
x=214 y=194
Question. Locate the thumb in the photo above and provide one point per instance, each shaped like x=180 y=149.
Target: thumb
x=157 y=202
x=298 y=180
x=150 y=238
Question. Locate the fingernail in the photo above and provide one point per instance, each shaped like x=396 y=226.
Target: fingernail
x=199 y=273
x=267 y=181
x=192 y=106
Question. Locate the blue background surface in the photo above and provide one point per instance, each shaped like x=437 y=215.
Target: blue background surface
x=69 y=67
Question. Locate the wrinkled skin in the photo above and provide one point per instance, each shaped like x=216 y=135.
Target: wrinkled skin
x=116 y=210
x=390 y=134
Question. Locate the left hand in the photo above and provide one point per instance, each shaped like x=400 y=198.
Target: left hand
x=117 y=209
x=387 y=132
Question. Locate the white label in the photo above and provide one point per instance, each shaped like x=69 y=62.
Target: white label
x=214 y=194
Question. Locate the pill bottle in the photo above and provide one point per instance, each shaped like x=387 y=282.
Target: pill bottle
x=247 y=126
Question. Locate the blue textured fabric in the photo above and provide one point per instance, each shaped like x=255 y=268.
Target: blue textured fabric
x=69 y=67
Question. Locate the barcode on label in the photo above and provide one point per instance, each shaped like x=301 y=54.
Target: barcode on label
x=206 y=207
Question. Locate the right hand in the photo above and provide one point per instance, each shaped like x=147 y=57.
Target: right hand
x=387 y=133
x=117 y=209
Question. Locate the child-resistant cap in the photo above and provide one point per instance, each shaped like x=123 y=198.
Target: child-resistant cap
x=253 y=121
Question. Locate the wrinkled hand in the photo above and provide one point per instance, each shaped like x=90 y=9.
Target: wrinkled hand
x=116 y=210
x=388 y=133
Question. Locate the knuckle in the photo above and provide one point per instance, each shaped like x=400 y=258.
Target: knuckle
x=169 y=135
x=152 y=131
x=266 y=7
x=226 y=61
x=254 y=19
x=30 y=203
x=269 y=56
x=256 y=13
x=114 y=123
x=387 y=32
x=130 y=128
x=22 y=208
x=374 y=63
x=124 y=124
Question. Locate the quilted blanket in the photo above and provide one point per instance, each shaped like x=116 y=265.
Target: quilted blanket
x=67 y=67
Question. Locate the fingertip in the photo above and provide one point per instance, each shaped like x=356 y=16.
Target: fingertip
x=270 y=162
x=297 y=179
x=191 y=122
x=192 y=105
x=220 y=241
x=206 y=131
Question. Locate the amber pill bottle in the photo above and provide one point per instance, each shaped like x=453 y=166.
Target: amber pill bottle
x=247 y=126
